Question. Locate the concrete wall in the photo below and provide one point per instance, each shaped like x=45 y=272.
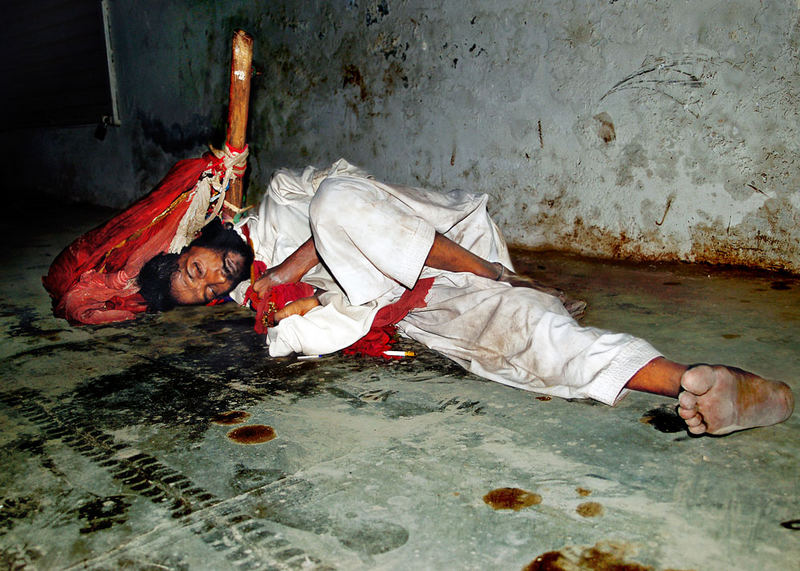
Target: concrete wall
x=645 y=129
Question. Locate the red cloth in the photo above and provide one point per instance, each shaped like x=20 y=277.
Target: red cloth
x=101 y=298
x=77 y=280
x=378 y=339
x=279 y=297
x=411 y=299
x=381 y=335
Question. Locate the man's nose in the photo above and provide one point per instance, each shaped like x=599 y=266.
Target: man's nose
x=216 y=276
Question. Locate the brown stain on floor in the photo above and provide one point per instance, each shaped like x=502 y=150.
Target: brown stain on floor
x=601 y=557
x=590 y=509
x=230 y=417
x=664 y=419
x=253 y=434
x=511 y=499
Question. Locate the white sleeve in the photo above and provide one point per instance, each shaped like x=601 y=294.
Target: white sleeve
x=324 y=329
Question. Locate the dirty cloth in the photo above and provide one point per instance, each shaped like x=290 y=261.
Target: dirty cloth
x=374 y=238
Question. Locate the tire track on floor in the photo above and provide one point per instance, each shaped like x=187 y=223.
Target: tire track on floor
x=242 y=539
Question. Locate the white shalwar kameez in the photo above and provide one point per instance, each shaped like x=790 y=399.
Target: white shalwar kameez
x=374 y=237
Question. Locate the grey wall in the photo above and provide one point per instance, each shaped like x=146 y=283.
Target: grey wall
x=646 y=129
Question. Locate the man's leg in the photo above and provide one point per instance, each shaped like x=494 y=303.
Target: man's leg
x=518 y=337
x=524 y=338
x=716 y=399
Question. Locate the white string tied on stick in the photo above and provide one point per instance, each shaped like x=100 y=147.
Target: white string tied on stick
x=214 y=182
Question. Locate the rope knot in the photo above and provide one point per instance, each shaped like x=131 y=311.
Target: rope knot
x=224 y=164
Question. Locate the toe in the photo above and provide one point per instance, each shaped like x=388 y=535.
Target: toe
x=699 y=429
x=687 y=400
x=698 y=379
x=693 y=421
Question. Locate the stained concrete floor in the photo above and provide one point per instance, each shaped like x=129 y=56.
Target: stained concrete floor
x=115 y=453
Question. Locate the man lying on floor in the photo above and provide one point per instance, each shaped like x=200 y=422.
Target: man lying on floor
x=433 y=263
x=365 y=245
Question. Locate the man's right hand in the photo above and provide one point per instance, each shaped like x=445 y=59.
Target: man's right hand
x=291 y=270
x=269 y=279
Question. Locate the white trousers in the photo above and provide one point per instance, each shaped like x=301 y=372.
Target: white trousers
x=517 y=336
x=524 y=338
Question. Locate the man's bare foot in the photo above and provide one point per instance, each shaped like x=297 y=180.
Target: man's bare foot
x=718 y=400
x=575 y=307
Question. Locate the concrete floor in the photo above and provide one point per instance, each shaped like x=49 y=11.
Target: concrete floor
x=115 y=453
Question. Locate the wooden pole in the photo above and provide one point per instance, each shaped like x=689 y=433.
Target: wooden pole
x=241 y=70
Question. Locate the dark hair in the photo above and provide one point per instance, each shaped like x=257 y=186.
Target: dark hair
x=223 y=238
x=155 y=282
x=155 y=277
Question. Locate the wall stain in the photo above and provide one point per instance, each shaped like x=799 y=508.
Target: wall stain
x=605 y=128
x=177 y=139
x=668 y=77
x=633 y=156
x=670 y=198
x=710 y=245
x=391 y=75
x=541 y=138
x=764 y=239
x=376 y=12
x=351 y=75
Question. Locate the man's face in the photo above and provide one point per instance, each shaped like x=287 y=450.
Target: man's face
x=204 y=274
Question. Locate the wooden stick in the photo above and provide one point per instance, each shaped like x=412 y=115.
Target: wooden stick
x=241 y=64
